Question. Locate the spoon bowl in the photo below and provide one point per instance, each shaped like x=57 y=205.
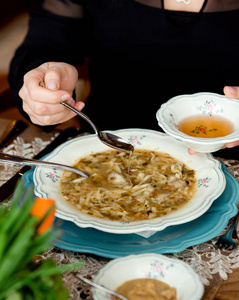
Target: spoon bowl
x=108 y=139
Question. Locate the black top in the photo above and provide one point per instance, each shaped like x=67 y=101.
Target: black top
x=140 y=56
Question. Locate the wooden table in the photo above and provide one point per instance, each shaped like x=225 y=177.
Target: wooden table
x=34 y=139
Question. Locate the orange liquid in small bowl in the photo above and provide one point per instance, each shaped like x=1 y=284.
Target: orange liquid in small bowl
x=205 y=126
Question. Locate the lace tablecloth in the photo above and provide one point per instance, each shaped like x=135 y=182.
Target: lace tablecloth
x=212 y=264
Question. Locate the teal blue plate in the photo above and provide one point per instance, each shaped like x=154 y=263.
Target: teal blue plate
x=173 y=239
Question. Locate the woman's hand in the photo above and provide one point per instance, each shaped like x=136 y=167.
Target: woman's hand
x=43 y=90
x=233 y=93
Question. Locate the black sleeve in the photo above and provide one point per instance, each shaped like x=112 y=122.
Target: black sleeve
x=50 y=37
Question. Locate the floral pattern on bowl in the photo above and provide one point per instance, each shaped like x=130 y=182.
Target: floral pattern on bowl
x=174 y=272
x=173 y=111
x=210 y=107
x=136 y=140
x=172 y=121
x=46 y=180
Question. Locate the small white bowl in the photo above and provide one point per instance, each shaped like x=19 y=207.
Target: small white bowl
x=178 y=108
x=174 y=272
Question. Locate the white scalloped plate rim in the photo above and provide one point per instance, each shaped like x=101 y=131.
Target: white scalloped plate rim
x=208 y=172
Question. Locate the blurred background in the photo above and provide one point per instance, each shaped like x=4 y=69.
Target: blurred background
x=13 y=28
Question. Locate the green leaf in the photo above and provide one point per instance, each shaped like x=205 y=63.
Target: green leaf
x=3 y=241
x=15 y=296
x=20 y=277
x=16 y=253
x=20 y=214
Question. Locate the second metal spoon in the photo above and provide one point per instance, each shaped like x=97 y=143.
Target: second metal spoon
x=109 y=139
x=101 y=287
x=7 y=158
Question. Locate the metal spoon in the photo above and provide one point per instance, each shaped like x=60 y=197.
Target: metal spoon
x=7 y=158
x=109 y=139
x=98 y=286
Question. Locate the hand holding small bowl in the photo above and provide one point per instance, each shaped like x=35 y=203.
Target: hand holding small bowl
x=181 y=107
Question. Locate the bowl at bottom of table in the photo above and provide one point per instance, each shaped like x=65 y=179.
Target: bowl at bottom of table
x=177 y=274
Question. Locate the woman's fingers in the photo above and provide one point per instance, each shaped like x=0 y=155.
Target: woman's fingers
x=43 y=90
x=232 y=144
x=191 y=152
x=52 y=114
x=231 y=91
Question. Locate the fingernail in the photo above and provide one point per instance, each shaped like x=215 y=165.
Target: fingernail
x=232 y=90
x=65 y=97
x=70 y=101
x=52 y=85
x=81 y=105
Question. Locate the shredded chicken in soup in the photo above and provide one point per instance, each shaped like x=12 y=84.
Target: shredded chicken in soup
x=145 y=185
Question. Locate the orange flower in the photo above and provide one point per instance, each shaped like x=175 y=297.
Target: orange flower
x=39 y=209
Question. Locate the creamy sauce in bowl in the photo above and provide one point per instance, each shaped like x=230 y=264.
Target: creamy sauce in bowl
x=146 y=289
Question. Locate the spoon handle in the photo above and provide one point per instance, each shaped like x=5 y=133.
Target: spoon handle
x=98 y=286
x=81 y=114
x=32 y=162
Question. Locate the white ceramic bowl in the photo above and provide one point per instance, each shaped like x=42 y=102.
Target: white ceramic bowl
x=178 y=108
x=210 y=178
x=174 y=272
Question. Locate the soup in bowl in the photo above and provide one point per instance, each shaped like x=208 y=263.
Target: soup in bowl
x=126 y=187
